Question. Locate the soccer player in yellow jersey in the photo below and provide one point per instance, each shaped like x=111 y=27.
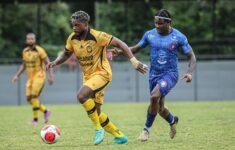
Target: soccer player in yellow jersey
x=89 y=46
x=34 y=61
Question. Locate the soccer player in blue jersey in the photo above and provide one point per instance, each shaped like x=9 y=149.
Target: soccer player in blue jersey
x=165 y=43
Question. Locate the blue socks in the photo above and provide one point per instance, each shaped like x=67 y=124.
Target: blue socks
x=149 y=120
x=170 y=118
x=151 y=117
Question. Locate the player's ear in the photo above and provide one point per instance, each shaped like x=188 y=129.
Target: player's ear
x=86 y=23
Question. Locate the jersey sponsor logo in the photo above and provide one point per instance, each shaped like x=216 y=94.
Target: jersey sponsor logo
x=163 y=83
x=162 y=59
x=30 y=64
x=85 y=58
x=86 y=64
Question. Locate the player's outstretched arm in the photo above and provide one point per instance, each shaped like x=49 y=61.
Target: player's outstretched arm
x=135 y=49
x=117 y=52
x=136 y=64
x=19 y=72
x=192 y=63
x=60 y=59
x=49 y=71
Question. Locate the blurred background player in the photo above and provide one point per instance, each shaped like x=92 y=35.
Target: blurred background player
x=109 y=56
x=89 y=46
x=34 y=58
x=165 y=42
x=71 y=63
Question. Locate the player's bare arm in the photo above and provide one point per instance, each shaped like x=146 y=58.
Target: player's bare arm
x=136 y=64
x=135 y=49
x=19 y=72
x=192 y=63
x=117 y=52
x=60 y=59
x=49 y=71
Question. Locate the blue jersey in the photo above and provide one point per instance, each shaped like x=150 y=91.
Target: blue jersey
x=164 y=51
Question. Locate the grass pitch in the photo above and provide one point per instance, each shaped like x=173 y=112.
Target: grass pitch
x=202 y=125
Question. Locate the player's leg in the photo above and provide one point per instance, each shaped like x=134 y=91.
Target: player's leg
x=86 y=97
x=35 y=108
x=107 y=124
x=167 y=83
x=151 y=113
x=37 y=87
x=169 y=117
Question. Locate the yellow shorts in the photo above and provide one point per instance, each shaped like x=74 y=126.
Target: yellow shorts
x=98 y=84
x=35 y=85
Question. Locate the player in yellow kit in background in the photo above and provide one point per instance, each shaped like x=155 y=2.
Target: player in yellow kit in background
x=89 y=46
x=34 y=61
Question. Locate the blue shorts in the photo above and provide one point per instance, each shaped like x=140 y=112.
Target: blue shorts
x=165 y=81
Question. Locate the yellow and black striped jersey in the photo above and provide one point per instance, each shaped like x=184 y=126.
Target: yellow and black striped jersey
x=33 y=59
x=91 y=52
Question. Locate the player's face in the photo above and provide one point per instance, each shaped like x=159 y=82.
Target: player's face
x=30 y=40
x=162 y=26
x=78 y=26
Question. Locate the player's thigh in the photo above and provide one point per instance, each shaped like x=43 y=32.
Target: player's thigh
x=37 y=86
x=166 y=83
x=28 y=88
x=98 y=84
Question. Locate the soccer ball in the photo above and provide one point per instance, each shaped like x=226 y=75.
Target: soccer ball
x=50 y=134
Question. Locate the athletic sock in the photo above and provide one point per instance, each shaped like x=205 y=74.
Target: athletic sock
x=109 y=126
x=89 y=106
x=149 y=120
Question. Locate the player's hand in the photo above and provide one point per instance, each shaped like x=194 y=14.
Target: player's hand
x=115 y=52
x=187 y=77
x=143 y=68
x=51 y=65
x=50 y=80
x=14 y=79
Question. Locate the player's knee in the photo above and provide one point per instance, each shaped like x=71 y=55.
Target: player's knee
x=29 y=99
x=154 y=99
x=82 y=97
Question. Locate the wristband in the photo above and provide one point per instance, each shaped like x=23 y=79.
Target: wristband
x=134 y=62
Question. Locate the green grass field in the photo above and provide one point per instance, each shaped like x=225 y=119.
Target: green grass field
x=202 y=125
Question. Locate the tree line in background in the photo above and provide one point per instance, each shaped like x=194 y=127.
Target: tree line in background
x=209 y=26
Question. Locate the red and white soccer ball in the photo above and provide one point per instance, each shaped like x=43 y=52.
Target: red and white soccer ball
x=50 y=134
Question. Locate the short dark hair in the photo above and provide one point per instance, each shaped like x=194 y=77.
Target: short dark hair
x=164 y=14
x=81 y=16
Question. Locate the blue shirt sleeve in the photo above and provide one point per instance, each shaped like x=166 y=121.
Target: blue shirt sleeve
x=144 y=41
x=186 y=47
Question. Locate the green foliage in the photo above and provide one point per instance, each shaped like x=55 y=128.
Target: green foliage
x=55 y=23
x=193 y=18
x=208 y=32
x=123 y=21
x=19 y=19
x=202 y=125
x=111 y=19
